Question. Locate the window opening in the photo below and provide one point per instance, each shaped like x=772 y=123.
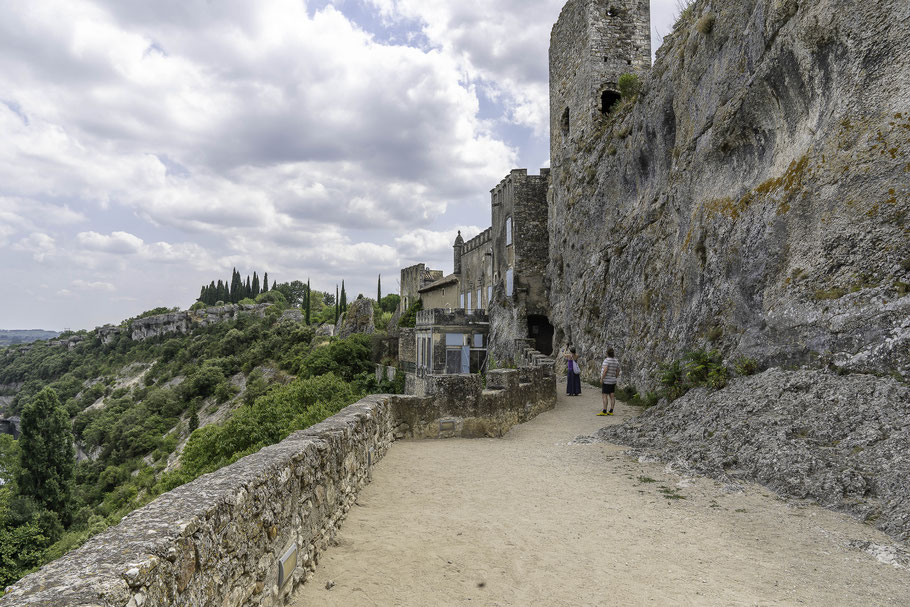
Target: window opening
x=509 y=282
x=508 y=230
x=564 y=123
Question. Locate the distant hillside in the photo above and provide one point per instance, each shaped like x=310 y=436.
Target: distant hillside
x=24 y=336
x=148 y=414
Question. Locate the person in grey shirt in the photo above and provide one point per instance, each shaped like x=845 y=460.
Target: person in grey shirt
x=609 y=375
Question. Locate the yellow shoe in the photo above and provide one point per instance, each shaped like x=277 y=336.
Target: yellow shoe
x=603 y=413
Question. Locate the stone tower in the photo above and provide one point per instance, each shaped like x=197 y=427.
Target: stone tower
x=593 y=43
x=459 y=251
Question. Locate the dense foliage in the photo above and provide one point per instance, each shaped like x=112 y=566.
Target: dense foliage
x=132 y=406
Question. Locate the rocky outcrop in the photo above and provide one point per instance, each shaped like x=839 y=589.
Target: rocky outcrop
x=184 y=322
x=755 y=198
x=843 y=441
x=357 y=319
x=11 y=426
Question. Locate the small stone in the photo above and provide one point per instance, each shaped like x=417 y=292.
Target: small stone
x=329 y=585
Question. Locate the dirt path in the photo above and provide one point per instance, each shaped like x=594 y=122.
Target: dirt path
x=534 y=519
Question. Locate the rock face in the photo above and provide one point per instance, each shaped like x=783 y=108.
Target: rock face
x=843 y=441
x=186 y=321
x=357 y=319
x=755 y=198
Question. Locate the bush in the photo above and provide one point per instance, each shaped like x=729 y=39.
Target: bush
x=409 y=318
x=268 y=420
x=744 y=366
x=199 y=305
x=706 y=24
x=272 y=297
x=629 y=86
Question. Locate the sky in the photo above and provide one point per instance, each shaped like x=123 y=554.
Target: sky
x=147 y=148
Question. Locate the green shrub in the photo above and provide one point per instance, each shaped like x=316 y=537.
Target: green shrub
x=268 y=420
x=744 y=366
x=272 y=297
x=629 y=86
x=409 y=318
x=626 y=393
x=706 y=24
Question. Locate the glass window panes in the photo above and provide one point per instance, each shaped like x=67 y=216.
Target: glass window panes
x=509 y=282
x=478 y=340
x=508 y=230
x=454 y=339
x=470 y=307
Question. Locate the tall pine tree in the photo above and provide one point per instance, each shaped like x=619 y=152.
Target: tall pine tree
x=247 y=288
x=344 y=299
x=379 y=289
x=336 y=304
x=255 y=290
x=265 y=282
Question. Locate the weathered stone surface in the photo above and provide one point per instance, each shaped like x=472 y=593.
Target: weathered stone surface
x=185 y=321
x=841 y=440
x=325 y=330
x=757 y=194
x=357 y=319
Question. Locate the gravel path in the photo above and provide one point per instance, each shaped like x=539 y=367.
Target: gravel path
x=536 y=518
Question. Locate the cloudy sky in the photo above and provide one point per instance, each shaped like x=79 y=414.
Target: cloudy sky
x=147 y=148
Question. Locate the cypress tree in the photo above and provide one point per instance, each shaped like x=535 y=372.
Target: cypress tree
x=379 y=289
x=255 y=290
x=46 y=453
x=219 y=292
x=247 y=289
x=308 y=295
x=265 y=282
x=211 y=294
x=336 y=304
x=344 y=299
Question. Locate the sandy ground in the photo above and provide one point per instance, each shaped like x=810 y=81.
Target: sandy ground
x=536 y=519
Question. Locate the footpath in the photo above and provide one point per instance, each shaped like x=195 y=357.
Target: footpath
x=536 y=518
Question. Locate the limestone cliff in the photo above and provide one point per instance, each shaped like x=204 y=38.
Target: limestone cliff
x=754 y=198
x=185 y=321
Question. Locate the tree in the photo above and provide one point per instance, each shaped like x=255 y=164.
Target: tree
x=265 y=282
x=46 y=453
x=255 y=290
x=336 y=304
x=344 y=299
x=309 y=295
x=379 y=289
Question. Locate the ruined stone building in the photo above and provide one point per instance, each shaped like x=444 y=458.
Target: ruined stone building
x=592 y=45
x=499 y=277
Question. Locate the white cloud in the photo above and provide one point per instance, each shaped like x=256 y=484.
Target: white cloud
x=119 y=243
x=39 y=245
x=418 y=246
x=83 y=285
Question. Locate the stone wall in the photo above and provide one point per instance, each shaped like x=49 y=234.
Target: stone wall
x=218 y=540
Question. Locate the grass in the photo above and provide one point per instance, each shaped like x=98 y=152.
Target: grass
x=646 y=479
